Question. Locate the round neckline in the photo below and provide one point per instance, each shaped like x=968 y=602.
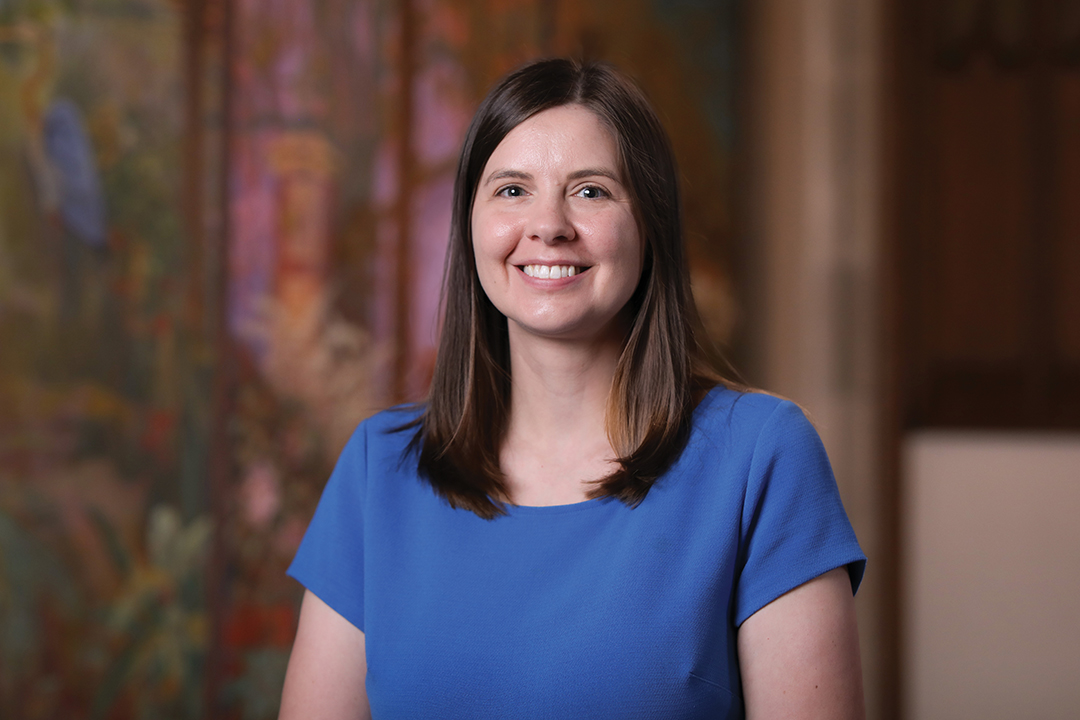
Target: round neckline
x=586 y=505
x=582 y=506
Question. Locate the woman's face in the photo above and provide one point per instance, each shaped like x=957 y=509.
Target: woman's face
x=557 y=246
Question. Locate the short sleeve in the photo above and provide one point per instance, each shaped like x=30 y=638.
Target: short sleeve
x=330 y=560
x=794 y=527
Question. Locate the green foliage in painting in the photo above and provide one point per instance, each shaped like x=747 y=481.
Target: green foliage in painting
x=158 y=621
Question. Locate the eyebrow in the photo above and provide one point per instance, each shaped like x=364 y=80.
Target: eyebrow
x=590 y=172
x=576 y=175
x=512 y=174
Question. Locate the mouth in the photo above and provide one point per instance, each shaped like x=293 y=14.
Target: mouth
x=552 y=272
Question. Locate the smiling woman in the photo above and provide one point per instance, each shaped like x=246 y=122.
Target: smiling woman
x=585 y=519
x=639 y=374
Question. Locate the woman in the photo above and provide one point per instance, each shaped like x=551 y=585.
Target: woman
x=584 y=520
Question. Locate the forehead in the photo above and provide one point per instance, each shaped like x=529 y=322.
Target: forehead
x=567 y=134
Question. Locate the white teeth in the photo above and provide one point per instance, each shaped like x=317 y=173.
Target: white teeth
x=550 y=271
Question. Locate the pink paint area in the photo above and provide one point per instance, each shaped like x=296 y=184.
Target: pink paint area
x=440 y=116
x=282 y=197
x=385 y=175
x=363 y=30
x=260 y=494
x=253 y=251
x=431 y=232
x=281 y=61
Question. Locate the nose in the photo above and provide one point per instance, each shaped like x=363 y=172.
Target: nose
x=549 y=221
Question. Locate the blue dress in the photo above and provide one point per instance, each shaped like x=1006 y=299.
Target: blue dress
x=589 y=610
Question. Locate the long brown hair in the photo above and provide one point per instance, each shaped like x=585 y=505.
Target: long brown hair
x=666 y=363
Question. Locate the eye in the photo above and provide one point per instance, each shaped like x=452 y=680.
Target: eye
x=592 y=192
x=511 y=191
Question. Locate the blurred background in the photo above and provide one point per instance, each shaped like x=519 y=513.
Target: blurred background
x=222 y=229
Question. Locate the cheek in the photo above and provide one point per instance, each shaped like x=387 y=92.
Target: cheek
x=629 y=248
x=493 y=237
x=487 y=258
x=633 y=259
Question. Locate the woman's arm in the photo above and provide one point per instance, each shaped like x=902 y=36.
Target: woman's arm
x=799 y=655
x=325 y=679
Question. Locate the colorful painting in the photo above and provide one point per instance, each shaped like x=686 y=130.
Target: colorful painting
x=222 y=229
x=102 y=607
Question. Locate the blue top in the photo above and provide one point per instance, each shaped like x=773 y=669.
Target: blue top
x=589 y=610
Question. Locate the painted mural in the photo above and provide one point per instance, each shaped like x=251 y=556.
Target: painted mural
x=222 y=228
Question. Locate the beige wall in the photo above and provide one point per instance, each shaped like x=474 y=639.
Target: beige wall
x=813 y=101
x=992 y=547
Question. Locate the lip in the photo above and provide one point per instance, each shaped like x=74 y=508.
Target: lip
x=550 y=261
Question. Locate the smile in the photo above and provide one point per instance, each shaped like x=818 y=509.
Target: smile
x=551 y=271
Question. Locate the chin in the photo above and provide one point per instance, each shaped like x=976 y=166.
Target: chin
x=583 y=331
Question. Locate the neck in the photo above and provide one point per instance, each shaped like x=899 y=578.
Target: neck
x=556 y=441
x=558 y=386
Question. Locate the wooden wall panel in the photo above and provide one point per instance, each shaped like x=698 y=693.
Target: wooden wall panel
x=983 y=217
x=988 y=226
x=1066 y=247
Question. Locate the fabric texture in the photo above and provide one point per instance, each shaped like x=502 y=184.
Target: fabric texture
x=589 y=610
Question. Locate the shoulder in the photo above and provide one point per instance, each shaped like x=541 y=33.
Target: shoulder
x=394 y=426
x=750 y=419
x=757 y=441
x=395 y=420
x=382 y=438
